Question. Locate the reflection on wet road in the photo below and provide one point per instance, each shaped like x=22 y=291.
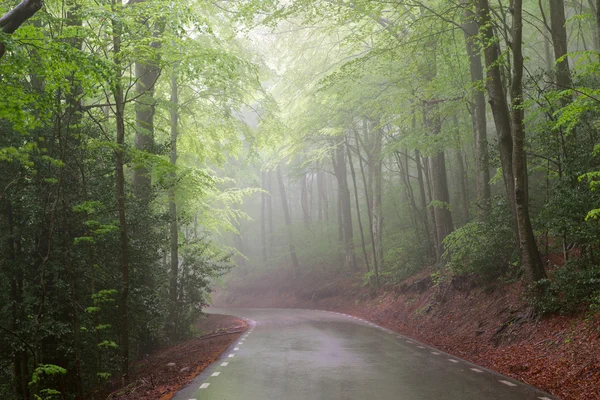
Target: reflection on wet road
x=291 y=354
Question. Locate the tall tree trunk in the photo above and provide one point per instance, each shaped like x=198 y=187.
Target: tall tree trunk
x=269 y=205
x=462 y=185
x=598 y=27
x=410 y=195
x=360 y=225
x=322 y=195
x=478 y=115
x=120 y=192
x=304 y=203
x=345 y=206
x=498 y=103
x=20 y=366
x=365 y=184
x=263 y=222
x=429 y=243
x=559 y=41
x=173 y=225
x=378 y=195
x=530 y=256
x=146 y=73
x=439 y=180
x=288 y=221
x=430 y=208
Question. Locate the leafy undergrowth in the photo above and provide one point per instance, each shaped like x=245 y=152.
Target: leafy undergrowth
x=491 y=326
x=163 y=373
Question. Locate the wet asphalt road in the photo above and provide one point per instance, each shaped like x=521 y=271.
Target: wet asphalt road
x=308 y=355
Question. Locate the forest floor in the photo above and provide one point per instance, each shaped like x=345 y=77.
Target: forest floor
x=160 y=375
x=491 y=326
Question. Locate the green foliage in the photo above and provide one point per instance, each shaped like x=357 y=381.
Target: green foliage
x=46 y=374
x=570 y=288
x=405 y=257
x=485 y=249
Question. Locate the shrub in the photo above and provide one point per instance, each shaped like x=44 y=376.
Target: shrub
x=570 y=288
x=483 y=249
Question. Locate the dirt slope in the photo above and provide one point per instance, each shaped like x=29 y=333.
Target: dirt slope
x=164 y=372
x=491 y=326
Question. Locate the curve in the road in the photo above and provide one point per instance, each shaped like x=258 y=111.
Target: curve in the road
x=310 y=354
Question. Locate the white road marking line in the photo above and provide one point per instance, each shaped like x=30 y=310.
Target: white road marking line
x=204 y=385
x=507 y=383
x=435 y=353
x=421 y=347
x=408 y=341
x=216 y=374
x=236 y=348
x=224 y=364
x=231 y=355
x=452 y=360
x=476 y=370
x=544 y=398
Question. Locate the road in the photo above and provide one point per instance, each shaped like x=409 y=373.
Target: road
x=289 y=354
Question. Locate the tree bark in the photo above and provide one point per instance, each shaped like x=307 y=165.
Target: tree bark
x=378 y=195
x=12 y=20
x=430 y=208
x=439 y=180
x=498 y=103
x=365 y=184
x=429 y=243
x=146 y=72
x=269 y=205
x=478 y=115
x=263 y=222
x=360 y=225
x=288 y=221
x=559 y=42
x=530 y=256
x=173 y=225
x=345 y=206
x=304 y=203
x=120 y=192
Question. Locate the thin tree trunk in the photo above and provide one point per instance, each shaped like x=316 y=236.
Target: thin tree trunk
x=364 y=179
x=429 y=246
x=377 y=196
x=269 y=205
x=462 y=178
x=263 y=222
x=598 y=27
x=173 y=225
x=430 y=208
x=304 y=201
x=120 y=192
x=360 y=225
x=345 y=207
x=322 y=195
x=288 y=221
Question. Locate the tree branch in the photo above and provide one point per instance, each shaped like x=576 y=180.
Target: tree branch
x=13 y=19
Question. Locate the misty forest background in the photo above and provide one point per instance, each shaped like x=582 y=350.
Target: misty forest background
x=149 y=146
